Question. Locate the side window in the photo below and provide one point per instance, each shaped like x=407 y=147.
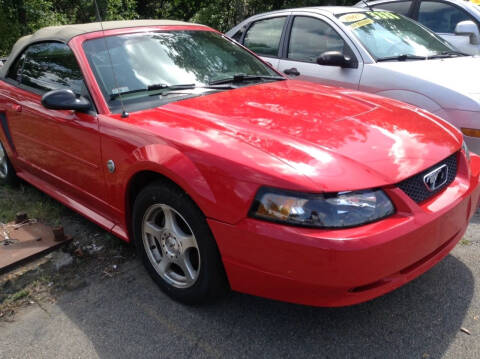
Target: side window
x=51 y=66
x=400 y=7
x=263 y=37
x=15 y=71
x=311 y=37
x=238 y=35
x=441 y=17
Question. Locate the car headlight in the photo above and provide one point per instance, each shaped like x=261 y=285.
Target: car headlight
x=466 y=150
x=329 y=210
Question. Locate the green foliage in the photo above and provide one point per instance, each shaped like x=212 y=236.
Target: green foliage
x=22 y=17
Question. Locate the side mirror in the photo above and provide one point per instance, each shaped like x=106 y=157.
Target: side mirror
x=470 y=29
x=65 y=100
x=336 y=58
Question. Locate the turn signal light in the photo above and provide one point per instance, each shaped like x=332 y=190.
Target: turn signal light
x=472 y=132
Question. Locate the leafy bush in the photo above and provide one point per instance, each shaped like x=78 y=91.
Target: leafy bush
x=22 y=17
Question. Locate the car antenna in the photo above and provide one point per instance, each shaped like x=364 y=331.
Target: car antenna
x=366 y=4
x=99 y=18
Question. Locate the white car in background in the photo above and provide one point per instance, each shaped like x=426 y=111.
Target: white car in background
x=374 y=51
x=457 y=21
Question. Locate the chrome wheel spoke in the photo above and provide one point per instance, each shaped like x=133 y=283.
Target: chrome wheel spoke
x=187 y=242
x=153 y=230
x=164 y=265
x=170 y=223
x=188 y=270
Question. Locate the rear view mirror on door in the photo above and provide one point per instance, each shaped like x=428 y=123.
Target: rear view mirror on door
x=468 y=28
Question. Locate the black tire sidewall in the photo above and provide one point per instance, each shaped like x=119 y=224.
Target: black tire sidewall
x=211 y=281
x=11 y=178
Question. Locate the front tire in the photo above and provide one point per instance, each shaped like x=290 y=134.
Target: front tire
x=176 y=246
x=7 y=172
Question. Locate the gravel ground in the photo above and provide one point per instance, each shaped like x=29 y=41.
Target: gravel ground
x=121 y=314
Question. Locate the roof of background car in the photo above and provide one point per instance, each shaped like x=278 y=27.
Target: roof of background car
x=334 y=10
x=328 y=10
x=65 y=33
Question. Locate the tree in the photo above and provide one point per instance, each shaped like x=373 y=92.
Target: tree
x=22 y=17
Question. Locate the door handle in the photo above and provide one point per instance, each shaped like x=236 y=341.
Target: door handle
x=291 y=72
x=15 y=107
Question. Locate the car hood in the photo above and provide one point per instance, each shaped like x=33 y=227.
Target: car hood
x=340 y=139
x=452 y=82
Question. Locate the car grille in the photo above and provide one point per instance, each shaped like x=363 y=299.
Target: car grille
x=416 y=189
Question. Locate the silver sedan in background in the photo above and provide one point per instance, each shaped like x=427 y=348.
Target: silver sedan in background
x=456 y=21
x=375 y=51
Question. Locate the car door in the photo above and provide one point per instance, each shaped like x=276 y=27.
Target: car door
x=307 y=38
x=61 y=148
x=264 y=37
x=442 y=18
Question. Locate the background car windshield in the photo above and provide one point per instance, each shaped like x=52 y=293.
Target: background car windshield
x=385 y=34
x=169 y=58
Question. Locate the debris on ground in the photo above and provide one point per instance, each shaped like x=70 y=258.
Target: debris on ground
x=465 y=330
x=92 y=253
x=92 y=249
x=62 y=259
x=25 y=238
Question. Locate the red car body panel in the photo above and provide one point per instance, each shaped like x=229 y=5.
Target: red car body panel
x=221 y=148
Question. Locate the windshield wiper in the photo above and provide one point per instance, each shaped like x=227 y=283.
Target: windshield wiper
x=445 y=54
x=164 y=89
x=403 y=57
x=239 y=78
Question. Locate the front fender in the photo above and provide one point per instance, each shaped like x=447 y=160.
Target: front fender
x=413 y=98
x=213 y=191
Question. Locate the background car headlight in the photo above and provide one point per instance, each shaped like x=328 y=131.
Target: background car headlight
x=337 y=210
x=466 y=150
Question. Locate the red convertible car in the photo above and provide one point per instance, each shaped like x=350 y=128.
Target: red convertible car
x=225 y=174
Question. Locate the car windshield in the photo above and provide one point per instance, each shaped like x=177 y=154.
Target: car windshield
x=477 y=5
x=387 y=35
x=147 y=68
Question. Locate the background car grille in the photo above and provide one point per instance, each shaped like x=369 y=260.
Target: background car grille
x=415 y=188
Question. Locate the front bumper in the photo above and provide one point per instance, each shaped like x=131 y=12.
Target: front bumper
x=349 y=266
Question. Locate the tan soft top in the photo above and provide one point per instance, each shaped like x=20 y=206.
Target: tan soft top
x=65 y=33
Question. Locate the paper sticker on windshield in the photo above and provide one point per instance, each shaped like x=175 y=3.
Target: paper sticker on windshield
x=352 y=17
x=117 y=90
x=361 y=23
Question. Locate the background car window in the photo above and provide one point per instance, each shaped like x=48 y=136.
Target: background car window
x=441 y=17
x=400 y=7
x=311 y=37
x=386 y=34
x=52 y=66
x=263 y=37
x=238 y=35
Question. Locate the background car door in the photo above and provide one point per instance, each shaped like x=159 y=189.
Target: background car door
x=264 y=37
x=59 y=147
x=442 y=18
x=307 y=38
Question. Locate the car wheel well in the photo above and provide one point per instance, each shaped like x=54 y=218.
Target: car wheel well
x=138 y=182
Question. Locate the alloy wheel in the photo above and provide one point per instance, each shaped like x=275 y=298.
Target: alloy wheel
x=171 y=246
